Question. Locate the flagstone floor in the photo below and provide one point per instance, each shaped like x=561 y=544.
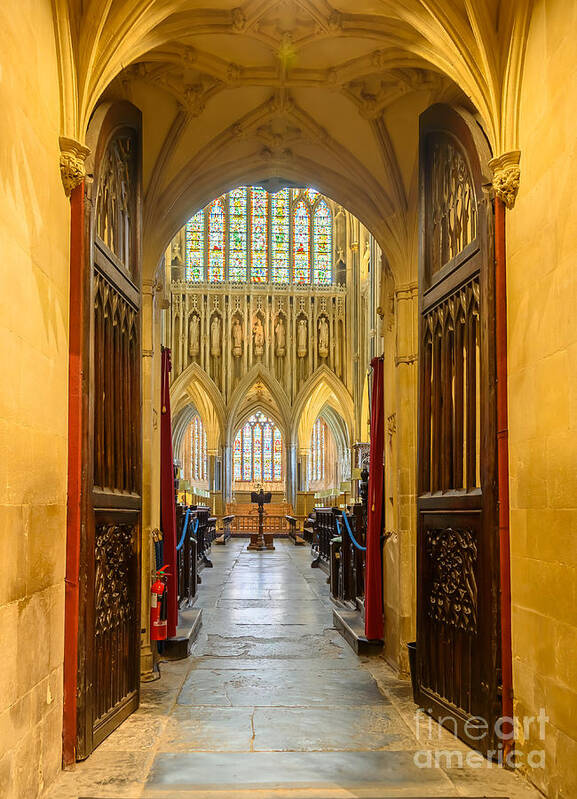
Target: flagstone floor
x=273 y=703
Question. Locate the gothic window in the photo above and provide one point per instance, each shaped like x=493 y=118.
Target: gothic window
x=195 y=247
x=323 y=244
x=259 y=236
x=251 y=235
x=193 y=454
x=317 y=453
x=216 y=227
x=280 y=234
x=311 y=195
x=258 y=451
x=237 y=235
x=302 y=244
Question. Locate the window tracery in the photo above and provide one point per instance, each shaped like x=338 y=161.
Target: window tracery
x=237 y=235
x=302 y=244
x=195 y=247
x=216 y=230
x=258 y=451
x=194 y=452
x=323 y=244
x=317 y=452
x=251 y=235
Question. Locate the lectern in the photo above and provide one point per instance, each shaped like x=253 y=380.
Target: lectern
x=260 y=541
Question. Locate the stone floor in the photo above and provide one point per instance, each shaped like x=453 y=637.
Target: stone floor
x=272 y=702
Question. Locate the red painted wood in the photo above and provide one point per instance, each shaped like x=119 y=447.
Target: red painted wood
x=75 y=428
x=167 y=499
x=503 y=464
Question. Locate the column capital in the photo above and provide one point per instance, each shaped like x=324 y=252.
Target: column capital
x=506 y=176
x=73 y=155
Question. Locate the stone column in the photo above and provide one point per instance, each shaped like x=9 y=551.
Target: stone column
x=291 y=474
x=211 y=456
x=401 y=378
x=303 y=453
x=151 y=341
x=227 y=473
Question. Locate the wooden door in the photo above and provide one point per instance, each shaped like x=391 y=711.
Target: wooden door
x=457 y=548
x=109 y=635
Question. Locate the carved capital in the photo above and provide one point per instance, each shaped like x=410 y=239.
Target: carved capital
x=506 y=176
x=72 y=158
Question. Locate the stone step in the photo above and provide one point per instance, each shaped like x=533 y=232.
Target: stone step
x=351 y=625
x=189 y=624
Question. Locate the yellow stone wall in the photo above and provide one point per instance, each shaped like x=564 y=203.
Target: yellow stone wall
x=34 y=225
x=542 y=292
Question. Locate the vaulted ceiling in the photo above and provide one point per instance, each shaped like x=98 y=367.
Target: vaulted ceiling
x=301 y=91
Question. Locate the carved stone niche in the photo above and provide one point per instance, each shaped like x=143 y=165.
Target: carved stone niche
x=215 y=335
x=237 y=335
x=323 y=336
x=258 y=334
x=280 y=329
x=302 y=336
x=194 y=335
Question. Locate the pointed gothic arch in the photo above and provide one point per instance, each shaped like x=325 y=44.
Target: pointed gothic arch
x=280 y=409
x=322 y=388
x=195 y=387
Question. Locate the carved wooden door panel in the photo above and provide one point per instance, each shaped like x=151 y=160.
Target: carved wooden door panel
x=457 y=547
x=109 y=667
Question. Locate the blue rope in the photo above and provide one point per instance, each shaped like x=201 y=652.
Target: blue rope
x=350 y=532
x=184 y=527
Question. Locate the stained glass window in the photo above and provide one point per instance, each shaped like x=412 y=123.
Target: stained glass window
x=233 y=238
x=277 y=454
x=237 y=235
x=216 y=242
x=259 y=236
x=237 y=458
x=302 y=244
x=311 y=195
x=195 y=247
x=280 y=232
x=193 y=454
x=316 y=467
x=247 y=452
x=267 y=454
x=323 y=244
x=258 y=451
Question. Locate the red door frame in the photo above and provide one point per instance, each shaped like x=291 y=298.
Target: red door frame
x=76 y=428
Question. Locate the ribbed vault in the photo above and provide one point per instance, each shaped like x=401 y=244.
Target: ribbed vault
x=294 y=90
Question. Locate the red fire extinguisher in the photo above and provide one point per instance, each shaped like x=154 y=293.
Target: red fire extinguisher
x=158 y=623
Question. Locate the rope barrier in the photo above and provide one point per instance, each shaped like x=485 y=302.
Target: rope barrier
x=184 y=528
x=350 y=532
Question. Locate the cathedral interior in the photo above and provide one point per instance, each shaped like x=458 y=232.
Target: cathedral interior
x=288 y=418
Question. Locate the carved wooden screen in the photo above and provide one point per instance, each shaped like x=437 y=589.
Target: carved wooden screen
x=457 y=592
x=109 y=666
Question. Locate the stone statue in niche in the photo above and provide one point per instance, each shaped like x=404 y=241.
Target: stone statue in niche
x=258 y=334
x=194 y=336
x=302 y=335
x=237 y=338
x=215 y=348
x=280 y=335
x=323 y=337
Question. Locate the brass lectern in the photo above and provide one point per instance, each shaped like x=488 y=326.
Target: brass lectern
x=260 y=541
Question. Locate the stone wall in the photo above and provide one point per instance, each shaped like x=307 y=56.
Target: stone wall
x=34 y=231
x=542 y=292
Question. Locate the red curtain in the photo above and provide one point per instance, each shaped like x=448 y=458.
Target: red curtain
x=167 y=507
x=374 y=569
